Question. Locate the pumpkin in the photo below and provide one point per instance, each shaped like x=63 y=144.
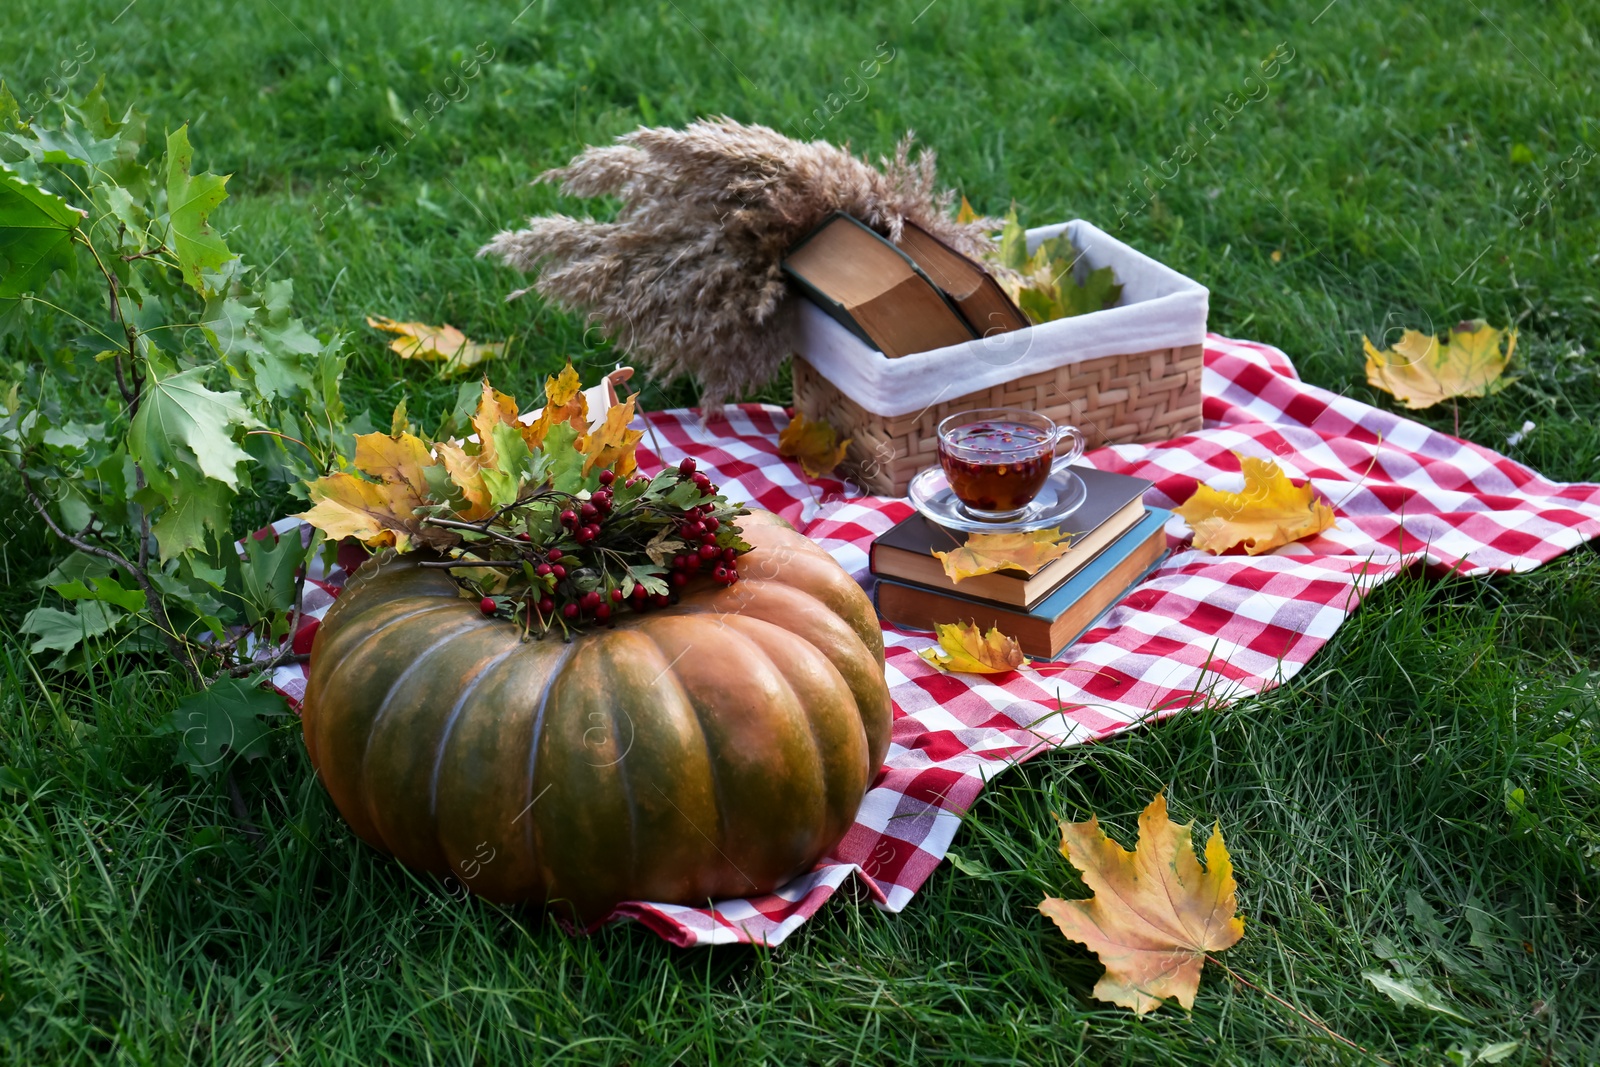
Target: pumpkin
x=715 y=748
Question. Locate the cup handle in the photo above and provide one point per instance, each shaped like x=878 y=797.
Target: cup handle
x=1075 y=453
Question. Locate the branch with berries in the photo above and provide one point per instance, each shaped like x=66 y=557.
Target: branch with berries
x=546 y=523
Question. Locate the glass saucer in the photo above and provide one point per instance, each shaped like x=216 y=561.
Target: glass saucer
x=1062 y=495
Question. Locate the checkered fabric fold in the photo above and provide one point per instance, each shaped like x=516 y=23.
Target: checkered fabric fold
x=1200 y=628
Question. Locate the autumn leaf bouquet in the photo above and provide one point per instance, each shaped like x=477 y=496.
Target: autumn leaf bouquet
x=545 y=521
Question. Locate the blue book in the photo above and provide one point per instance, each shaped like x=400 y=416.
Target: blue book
x=1050 y=626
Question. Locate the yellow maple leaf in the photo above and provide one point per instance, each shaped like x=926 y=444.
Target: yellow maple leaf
x=399 y=458
x=966 y=214
x=445 y=343
x=466 y=471
x=1155 y=914
x=611 y=444
x=376 y=513
x=815 y=445
x=563 y=402
x=1420 y=372
x=965 y=648
x=1270 y=512
x=494 y=409
x=1027 y=552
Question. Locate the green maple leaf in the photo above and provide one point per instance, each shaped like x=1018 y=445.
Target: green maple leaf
x=1098 y=291
x=182 y=424
x=269 y=578
x=226 y=717
x=106 y=589
x=62 y=631
x=36 y=230
x=190 y=200
x=192 y=505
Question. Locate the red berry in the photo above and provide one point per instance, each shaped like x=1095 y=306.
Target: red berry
x=591 y=600
x=616 y=596
x=488 y=606
x=570 y=610
x=542 y=569
x=555 y=554
x=720 y=574
x=709 y=537
x=678 y=578
x=588 y=510
x=569 y=518
x=694 y=565
x=686 y=467
x=660 y=600
x=584 y=534
x=607 y=477
x=546 y=605
x=603 y=612
x=679 y=562
x=523 y=537
x=708 y=551
x=730 y=554
x=710 y=522
x=559 y=571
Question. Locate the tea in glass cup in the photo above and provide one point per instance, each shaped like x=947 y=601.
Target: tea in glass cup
x=997 y=459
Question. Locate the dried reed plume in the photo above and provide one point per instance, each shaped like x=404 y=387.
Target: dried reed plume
x=687 y=280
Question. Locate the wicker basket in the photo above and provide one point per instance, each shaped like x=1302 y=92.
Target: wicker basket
x=1091 y=371
x=1150 y=396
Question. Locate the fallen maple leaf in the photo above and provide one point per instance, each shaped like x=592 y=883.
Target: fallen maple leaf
x=815 y=445
x=1270 y=512
x=965 y=648
x=445 y=343
x=1420 y=372
x=1155 y=914
x=1027 y=552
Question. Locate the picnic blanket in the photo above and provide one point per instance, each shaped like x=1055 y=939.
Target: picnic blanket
x=1200 y=628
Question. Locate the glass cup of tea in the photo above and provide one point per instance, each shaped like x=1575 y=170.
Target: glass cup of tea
x=997 y=459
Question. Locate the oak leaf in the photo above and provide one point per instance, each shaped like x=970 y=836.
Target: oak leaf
x=1270 y=512
x=446 y=344
x=1155 y=914
x=1027 y=552
x=1420 y=372
x=815 y=445
x=965 y=648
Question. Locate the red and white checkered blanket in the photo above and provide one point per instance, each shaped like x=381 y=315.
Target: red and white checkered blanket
x=1200 y=628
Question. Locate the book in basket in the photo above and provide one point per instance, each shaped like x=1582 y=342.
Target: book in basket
x=1112 y=507
x=1054 y=623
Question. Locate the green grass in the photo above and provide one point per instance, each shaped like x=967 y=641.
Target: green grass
x=145 y=922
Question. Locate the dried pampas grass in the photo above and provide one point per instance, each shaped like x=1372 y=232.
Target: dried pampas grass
x=687 y=280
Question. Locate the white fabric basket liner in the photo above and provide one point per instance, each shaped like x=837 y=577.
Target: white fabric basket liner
x=1160 y=308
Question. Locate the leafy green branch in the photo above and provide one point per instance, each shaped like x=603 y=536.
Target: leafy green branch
x=163 y=390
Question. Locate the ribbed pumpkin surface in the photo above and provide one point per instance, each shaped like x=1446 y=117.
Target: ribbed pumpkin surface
x=712 y=749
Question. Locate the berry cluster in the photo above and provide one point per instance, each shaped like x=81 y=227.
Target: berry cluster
x=589 y=571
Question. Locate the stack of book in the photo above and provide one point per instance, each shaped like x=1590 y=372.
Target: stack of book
x=916 y=297
x=1116 y=541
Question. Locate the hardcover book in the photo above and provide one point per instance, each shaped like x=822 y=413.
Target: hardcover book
x=874 y=289
x=973 y=290
x=1113 y=506
x=1058 y=620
